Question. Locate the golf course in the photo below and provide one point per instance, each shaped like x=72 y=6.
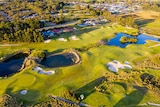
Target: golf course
x=90 y=77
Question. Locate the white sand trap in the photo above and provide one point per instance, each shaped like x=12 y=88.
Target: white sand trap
x=49 y=72
x=126 y=62
x=37 y=69
x=62 y=39
x=74 y=38
x=115 y=65
x=47 y=41
x=23 y=92
x=41 y=71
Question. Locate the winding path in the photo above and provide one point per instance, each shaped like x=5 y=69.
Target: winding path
x=154 y=46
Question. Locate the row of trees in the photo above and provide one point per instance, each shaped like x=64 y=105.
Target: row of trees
x=9 y=101
x=113 y=1
x=154 y=7
x=150 y=63
x=16 y=9
x=125 y=21
x=27 y=35
x=20 y=31
x=150 y=81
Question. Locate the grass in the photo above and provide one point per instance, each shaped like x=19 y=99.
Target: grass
x=81 y=76
x=145 y=14
x=87 y=36
x=143 y=18
x=153 y=26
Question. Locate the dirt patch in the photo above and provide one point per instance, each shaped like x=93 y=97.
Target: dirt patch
x=148 y=14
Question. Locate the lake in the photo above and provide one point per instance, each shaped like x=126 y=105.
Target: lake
x=10 y=67
x=141 y=39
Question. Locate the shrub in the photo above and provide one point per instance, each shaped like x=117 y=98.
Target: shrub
x=125 y=39
x=9 y=101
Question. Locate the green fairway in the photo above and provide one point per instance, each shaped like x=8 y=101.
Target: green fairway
x=84 y=76
x=153 y=27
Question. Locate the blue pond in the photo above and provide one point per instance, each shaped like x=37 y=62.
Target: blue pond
x=141 y=39
x=10 y=67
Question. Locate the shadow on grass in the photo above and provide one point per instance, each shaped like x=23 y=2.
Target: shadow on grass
x=143 y=22
x=8 y=90
x=76 y=32
x=121 y=84
x=29 y=98
x=54 y=52
x=133 y=99
x=88 y=89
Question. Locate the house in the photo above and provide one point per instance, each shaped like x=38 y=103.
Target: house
x=57 y=31
x=68 y=29
x=48 y=33
x=82 y=25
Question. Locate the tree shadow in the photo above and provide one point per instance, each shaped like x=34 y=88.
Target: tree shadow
x=8 y=90
x=133 y=99
x=143 y=22
x=54 y=52
x=28 y=98
x=76 y=32
x=88 y=89
x=121 y=84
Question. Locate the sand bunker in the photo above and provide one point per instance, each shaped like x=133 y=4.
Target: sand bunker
x=62 y=39
x=74 y=38
x=41 y=71
x=115 y=65
x=23 y=92
x=47 y=41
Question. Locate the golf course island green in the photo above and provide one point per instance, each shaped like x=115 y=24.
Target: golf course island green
x=125 y=39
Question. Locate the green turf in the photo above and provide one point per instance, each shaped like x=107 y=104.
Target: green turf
x=81 y=77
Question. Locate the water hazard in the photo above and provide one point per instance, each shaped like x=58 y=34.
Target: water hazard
x=59 y=60
x=141 y=39
x=10 y=67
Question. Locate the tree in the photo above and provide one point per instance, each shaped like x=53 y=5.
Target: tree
x=34 y=24
x=93 y=13
x=6 y=37
x=77 y=7
x=9 y=101
x=61 y=16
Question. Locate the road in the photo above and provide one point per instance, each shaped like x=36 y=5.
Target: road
x=68 y=101
x=59 y=25
x=2 y=45
x=5 y=15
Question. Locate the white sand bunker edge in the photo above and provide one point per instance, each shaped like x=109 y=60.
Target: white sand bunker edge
x=23 y=92
x=115 y=65
x=41 y=71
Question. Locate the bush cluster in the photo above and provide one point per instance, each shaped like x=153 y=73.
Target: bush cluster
x=125 y=39
x=150 y=81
